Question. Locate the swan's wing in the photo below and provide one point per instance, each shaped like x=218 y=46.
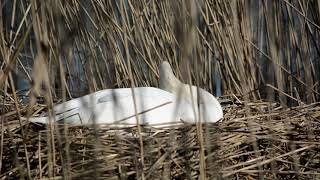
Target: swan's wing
x=89 y=100
x=113 y=97
x=76 y=103
x=107 y=95
x=151 y=107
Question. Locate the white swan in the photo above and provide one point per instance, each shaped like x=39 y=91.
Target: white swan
x=176 y=103
x=116 y=107
x=209 y=106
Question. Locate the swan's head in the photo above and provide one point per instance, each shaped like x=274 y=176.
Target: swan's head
x=168 y=81
x=208 y=106
x=211 y=110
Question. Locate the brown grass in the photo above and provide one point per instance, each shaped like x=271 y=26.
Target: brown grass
x=270 y=141
x=261 y=50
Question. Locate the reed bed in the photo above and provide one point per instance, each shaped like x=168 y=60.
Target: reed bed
x=264 y=52
x=257 y=49
x=254 y=140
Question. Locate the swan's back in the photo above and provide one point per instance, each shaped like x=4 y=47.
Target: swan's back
x=153 y=106
x=116 y=106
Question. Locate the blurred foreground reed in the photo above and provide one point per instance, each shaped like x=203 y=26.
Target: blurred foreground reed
x=264 y=52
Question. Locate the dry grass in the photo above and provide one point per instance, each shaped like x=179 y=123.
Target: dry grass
x=259 y=49
x=255 y=139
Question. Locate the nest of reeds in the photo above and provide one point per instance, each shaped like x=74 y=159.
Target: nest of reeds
x=255 y=139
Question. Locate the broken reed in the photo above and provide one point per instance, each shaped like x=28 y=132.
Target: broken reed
x=255 y=49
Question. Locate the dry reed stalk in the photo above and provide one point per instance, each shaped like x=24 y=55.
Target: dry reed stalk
x=260 y=49
x=244 y=145
x=152 y=38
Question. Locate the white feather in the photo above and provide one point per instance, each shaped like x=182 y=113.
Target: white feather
x=116 y=106
x=209 y=107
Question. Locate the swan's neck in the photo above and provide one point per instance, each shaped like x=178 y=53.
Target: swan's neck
x=168 y=81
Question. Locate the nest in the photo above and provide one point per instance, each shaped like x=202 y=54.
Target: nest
x=254 y=140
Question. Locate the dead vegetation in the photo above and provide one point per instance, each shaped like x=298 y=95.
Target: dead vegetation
x=255 y=139
x=265 y=52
